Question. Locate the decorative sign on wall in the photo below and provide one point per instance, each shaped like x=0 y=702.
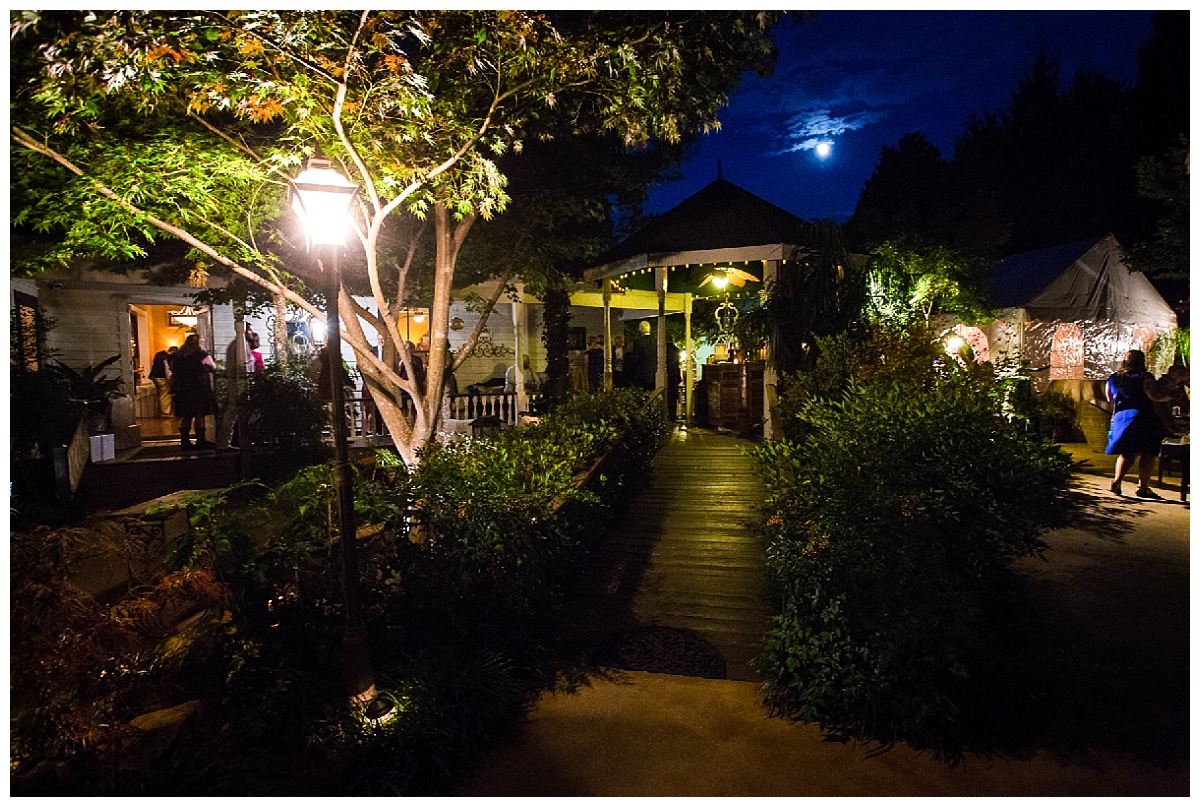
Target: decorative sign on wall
x=485 y=348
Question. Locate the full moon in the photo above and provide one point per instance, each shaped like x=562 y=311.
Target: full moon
x=823 y=149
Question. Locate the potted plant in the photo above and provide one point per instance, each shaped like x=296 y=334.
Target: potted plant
x=93 y=388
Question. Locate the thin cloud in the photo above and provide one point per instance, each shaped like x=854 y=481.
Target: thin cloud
x=808 y=129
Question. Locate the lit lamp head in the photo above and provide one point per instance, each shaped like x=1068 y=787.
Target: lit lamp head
x=954 y=344
x=722 y=278
x=321 y=197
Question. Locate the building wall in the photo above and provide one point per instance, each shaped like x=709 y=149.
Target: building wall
x=92 y=322
x=92 y=312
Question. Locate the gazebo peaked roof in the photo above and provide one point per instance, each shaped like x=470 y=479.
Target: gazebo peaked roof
x=717 y=224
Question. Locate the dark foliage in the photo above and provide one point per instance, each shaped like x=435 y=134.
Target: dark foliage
x=897 y=507
x=465 y=563
x=284 y=421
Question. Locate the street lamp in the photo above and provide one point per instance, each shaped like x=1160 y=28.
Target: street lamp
x=321 y=199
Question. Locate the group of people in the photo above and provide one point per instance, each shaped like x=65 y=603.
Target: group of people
x=1137 y=428
x=637 y=367
x=183 y=378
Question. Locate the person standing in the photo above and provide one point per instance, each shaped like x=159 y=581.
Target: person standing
x=191 y=382
x=595 y=363
x=1136 y=430
x=254 y=357
x=618 y=362
x=674 y=380
x=645 y=358
x=160 y=374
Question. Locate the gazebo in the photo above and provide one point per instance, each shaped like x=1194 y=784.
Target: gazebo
x=720 y=231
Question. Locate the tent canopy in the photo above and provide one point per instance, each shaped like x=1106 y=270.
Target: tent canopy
x=1077 y=282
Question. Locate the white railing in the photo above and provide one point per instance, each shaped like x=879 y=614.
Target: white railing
x=502 y=405
x=365 y=424
x=363 y=419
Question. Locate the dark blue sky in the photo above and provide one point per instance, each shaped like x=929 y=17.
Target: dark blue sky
x=860 y=80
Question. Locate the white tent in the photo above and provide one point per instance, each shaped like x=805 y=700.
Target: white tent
x=1074 y=310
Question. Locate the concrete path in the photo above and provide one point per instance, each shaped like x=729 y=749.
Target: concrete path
x=1113 y=604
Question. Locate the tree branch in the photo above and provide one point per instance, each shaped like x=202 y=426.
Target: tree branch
x=295 y=57
x=183 y=235
x=339 y=104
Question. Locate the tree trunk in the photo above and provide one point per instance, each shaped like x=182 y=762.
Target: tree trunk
x=557 y=320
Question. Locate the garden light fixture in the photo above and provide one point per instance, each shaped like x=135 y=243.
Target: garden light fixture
x=727 y=275
x=185 y=317
x=317 y=330
x=321 y=198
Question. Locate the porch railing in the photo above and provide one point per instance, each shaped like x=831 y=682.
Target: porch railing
x=365 y=424
x=501 y=405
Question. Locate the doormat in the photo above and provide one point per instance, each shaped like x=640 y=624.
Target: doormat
x=657 y=649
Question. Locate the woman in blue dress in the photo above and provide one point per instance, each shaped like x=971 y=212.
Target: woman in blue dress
x=1136 y=430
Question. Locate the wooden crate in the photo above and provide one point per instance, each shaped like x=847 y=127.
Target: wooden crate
x=735 y=396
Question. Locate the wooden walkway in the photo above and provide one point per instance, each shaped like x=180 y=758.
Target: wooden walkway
x=685 y=556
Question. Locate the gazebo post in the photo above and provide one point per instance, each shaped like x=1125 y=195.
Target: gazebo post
x=770 y=271
x=689 y=361
x=660 y=378
x=608 y=339
x=519 y=341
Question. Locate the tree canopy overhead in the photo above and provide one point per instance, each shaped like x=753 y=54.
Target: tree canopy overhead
x=128 y=125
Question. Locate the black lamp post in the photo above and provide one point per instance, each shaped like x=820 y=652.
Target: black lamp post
x=321 y=199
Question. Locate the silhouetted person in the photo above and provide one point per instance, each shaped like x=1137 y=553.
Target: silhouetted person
x=645 y=358
x=674 y=379
x=618 y=362
x=191 y=383
x=595 y=363
x=160 y=374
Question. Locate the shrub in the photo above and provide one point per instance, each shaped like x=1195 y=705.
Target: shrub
x=463 y=626
x=284 y=420
x=83 y=668
x=891 y=526
x=490 y=511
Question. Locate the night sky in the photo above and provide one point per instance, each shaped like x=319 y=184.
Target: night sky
x=860 y=80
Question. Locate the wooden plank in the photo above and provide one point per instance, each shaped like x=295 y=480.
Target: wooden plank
x=686 y=554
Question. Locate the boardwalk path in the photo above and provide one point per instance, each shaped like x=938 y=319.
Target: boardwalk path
x=685 y=557
x=1114 y=593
